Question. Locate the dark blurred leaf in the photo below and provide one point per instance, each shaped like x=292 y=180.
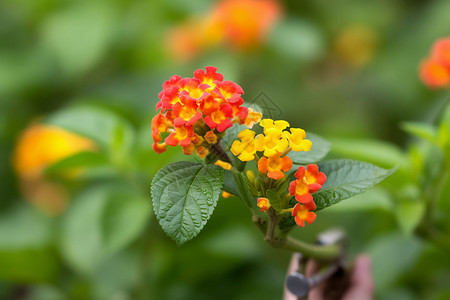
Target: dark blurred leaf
x=229 y=183
x=78 y=160
x=346 y=178
x=101 y=221
x=319 y=149
x=184 y=196
x=392 y=255
x=25 y=253
x=275 y=200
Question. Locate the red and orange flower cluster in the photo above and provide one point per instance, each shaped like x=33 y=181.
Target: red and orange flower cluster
x=435 y=70
x=196 y=111
x=308 y=181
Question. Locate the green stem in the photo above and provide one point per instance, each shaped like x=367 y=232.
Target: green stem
x=270 y=234
x=318 y=252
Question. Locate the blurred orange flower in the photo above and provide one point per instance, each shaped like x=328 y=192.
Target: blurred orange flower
x=435 y=69
x=240 y=24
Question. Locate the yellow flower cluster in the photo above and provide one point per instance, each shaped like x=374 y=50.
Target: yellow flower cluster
x=274 y=143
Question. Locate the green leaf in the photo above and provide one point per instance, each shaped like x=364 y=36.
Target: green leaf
x=184 y=196
x=78 y=36
x=421 y=130
x=275 y=200
x=100 y=222
x=393 y=255
x=106 y=128
x=26 y=254
x=377 y=152
x=409 y=214
x=78 y=160
x=229 y=183
x=319 y=149
x=346 y=178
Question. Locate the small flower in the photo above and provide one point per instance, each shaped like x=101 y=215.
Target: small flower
x=271 y=126
x=210 y=137
x=223 y=164
x=253 y=117
x=297 y=139
x=263 y=204
x=201 y=152
x=308 y=181
x=209 y=76
x=274 y=166
x=221 y=118
x=227 y=195
x=302 y=213
x=186 y=113
x=159 y=147
x=246 y=148
x=189 y=149
x=180 y=136
x=273 y=144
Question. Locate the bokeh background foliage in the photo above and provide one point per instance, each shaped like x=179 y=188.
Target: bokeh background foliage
x=346 y=70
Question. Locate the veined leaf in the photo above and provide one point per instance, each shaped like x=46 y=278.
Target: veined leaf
x=184 y=196
x=319 y=149
x=346 y=178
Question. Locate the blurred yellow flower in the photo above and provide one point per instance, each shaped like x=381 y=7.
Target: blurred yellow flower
x=356 y=45
x=41 y=145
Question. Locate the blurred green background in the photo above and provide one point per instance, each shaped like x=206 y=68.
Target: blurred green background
x=346 y=70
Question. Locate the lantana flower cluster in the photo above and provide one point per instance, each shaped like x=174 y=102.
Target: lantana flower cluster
x=195 y=112
x=435 y=69
x=270 y=150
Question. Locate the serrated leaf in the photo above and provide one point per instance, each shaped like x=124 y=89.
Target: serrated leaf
x=184 y=196
x=319 y=149
x=346 y=178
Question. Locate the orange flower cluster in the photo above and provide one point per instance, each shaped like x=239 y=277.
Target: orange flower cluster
x=195 y=111
x=308 y=181
x=241 y=24
x=435 y=70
